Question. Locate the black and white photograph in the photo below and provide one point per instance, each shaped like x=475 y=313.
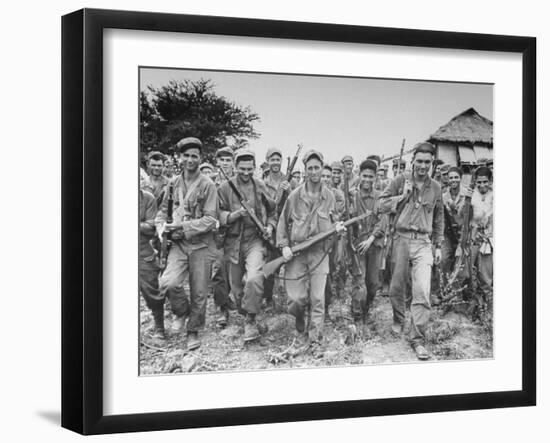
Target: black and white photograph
x=295 y=221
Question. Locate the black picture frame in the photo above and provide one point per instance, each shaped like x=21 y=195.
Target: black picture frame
x=82 y=220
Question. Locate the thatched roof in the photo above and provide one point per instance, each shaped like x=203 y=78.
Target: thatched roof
x=469 y=127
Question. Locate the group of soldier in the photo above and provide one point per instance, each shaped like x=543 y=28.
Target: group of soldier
x=224 y=223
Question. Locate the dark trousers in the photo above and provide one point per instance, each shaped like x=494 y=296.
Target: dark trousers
x=149 y=285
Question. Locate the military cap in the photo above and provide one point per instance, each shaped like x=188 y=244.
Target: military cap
x=206 y=165
x=157 y=154
x=368 y=164
x=187 y=143
x=445 y=169
x=376 y=158
x=384 y=166
x=338 y=166
x=312 y=153
x=226 y=151
x=244 y=152
x=484 y=171
x=273 y=151
x=426 y=147
x=347 y=158
x=396 y=160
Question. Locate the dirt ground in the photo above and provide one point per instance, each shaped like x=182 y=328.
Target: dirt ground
x=450 y=336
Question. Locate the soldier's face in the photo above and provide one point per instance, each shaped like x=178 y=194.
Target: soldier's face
x=314 y=168
x=168 y=169
x=380 y=174
x=445 y=178
x=422 y=163
x=326 y=176
x=225 y=162
x=245 y=169
x=155 y=167
x=207 y=172
x=454 y=180
x=437 y=172
x=482 y=184
x=274 y=163
x=348 y=164
x=296 y=177
x=336 y=176
x=367 y=178
x=190 y=159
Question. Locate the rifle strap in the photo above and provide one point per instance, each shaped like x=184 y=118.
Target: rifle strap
x=309 y=271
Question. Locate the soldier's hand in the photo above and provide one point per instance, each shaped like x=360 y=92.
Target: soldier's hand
x=287 y=253
x=170 y=227
x=363 y=247
x=437 y=256
x=285 y=186
x=458 y=251
x=407 y=188
x=235 y=215
x=468 y=192
x=268 y=232
x=340 y=228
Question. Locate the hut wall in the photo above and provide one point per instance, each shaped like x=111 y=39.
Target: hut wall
x=447 y=153
x=467 y=155
x=483 y=152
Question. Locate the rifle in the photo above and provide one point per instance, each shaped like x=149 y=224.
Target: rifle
x=464 y=244
x=249 y=210
x=166 y=239
x=356 y=266
x=450 y=226
x=387 y=250
x=272 y=266
x=281 y=197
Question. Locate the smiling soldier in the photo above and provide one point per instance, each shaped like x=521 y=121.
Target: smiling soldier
x=309 y=210
x=416 y=201
x=195 y=210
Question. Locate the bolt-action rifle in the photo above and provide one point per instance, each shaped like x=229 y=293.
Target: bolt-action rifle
x=166 y=238
x=272 y=266
x=249 y=210
x=282 y=195
x=356 y=266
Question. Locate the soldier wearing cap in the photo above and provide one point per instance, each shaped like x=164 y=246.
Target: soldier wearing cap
x=296 y=179
x=224 y=160
x=444 y=179
x=278 y=189
x=157 y=181
x=353 y=179
x=195 y=211
x=207 y=169
x=401 y=168
x=309 y=210
x=415 y=200
x=382 y=179
x=335 y=284
x=369 y=243
x=244 y=246
x=337 y=173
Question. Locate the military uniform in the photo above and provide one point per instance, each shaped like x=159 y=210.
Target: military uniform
x=306 y=274
x=374 y=225
x=196 y=208
x=418 y=224
x=244 y=246
x=482 y=236
x=148 y=266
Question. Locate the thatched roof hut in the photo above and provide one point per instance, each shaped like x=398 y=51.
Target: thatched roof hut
x=465 y=139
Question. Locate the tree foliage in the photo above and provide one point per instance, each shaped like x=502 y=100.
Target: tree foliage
x=193 y=109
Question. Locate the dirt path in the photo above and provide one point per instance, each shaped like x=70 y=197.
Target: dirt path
x=450 y=336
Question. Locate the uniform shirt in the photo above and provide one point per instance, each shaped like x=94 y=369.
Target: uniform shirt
x=157 y=187
x=195 y=206
x=304 y=217
x=423 y=210
x=482 y=215
x=376 y=223
x=272 y=182
x=147 y=213
x=263 y=206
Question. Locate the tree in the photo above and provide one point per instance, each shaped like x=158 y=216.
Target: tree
x=193 y=109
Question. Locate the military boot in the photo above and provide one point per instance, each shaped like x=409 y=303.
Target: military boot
x=251 y=331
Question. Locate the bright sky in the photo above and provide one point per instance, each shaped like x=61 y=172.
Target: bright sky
x=338 y=115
